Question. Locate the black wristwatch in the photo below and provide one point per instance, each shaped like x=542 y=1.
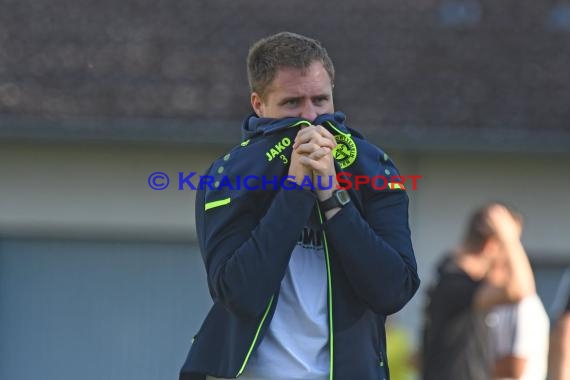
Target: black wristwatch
x=339 y=198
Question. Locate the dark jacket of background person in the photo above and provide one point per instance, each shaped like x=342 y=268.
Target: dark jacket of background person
x=456 y=343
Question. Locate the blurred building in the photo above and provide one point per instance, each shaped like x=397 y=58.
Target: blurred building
x=101 y=277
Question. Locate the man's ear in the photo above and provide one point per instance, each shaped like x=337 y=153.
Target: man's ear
x=257 y=104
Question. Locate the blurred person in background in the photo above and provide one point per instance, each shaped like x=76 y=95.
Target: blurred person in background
x=559 y=363
x=455 y=341
x=519 y=333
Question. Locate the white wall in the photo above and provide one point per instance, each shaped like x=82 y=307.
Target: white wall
x=87 y=190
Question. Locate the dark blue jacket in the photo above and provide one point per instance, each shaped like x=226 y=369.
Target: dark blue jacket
x=246 y=237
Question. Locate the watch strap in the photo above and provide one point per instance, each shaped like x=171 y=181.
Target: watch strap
x=332 y=202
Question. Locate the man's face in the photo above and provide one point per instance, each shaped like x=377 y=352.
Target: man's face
x=296 y=93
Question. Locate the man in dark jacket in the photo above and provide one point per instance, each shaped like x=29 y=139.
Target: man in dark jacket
x=302 y=274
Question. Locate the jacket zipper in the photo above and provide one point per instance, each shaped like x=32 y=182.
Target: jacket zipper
x=331 y=334
x=329 y=285
x=255 y=337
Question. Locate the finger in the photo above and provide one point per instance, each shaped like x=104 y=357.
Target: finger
x=307 y=148
x=305 y=161
x=314 y=165
x=317 y=139
x=313 y=131
x=322 y=131
x=314 y=138
x=305 y=135
x=326 y=134
x=320 y=153
x=322 y=156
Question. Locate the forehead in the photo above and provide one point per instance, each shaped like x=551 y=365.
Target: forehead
x=308 y=81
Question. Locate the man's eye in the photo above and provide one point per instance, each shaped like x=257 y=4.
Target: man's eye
x=320 y=100
x=292 y=102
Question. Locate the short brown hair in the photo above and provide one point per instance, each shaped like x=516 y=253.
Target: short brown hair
x=479 y=229
x=281 y=50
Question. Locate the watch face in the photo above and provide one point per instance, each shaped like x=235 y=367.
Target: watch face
x=343 y=197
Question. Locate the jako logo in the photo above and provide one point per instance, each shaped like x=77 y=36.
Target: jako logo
x=278 y=148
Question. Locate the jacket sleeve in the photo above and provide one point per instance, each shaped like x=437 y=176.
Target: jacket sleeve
x=376 y=253
x=246 y=252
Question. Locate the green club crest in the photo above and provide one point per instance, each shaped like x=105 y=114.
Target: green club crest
x=345 y=151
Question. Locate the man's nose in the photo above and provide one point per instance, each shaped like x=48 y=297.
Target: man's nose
x=309 y=112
